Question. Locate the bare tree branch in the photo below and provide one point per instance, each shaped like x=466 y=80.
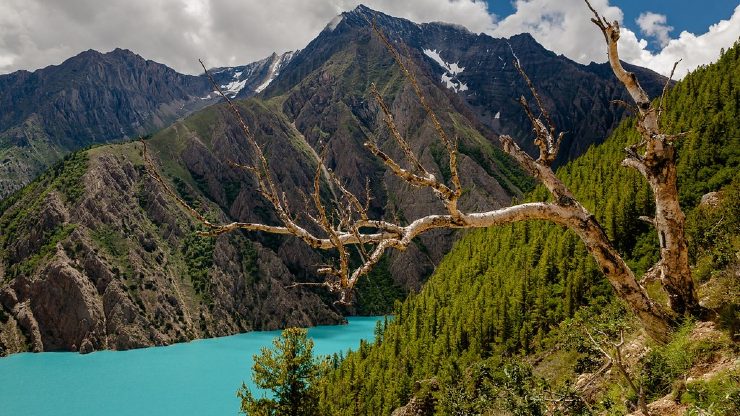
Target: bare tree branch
x=449 y=144
x=617 y=360
x=665 y=89
x=345 y=220
x=544 y=135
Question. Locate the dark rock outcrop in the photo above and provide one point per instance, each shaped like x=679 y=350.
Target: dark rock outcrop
x=99 y=287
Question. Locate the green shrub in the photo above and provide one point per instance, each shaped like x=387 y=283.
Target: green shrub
x=718 y=396
x=29 y=265
x=665 y=365
x=198 y=254
x=69 y=176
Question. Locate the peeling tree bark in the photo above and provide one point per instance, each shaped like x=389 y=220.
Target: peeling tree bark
x=657 y=164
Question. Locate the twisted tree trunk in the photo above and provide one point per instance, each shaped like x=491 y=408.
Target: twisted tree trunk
x=658 y=165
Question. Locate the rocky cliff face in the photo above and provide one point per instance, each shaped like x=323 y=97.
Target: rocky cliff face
x=478 y=70
x=106 y=261
x=331 y=109
x=90 y=98
x=471 y=81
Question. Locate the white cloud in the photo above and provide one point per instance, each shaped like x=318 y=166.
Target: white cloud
x=693 y=50
x=654 y=24
x=565 y=27
x=37 y=33
x=562 y=26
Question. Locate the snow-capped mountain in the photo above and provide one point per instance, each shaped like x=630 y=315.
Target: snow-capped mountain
x=247 y=80
x=99 y=98
x=477 y=69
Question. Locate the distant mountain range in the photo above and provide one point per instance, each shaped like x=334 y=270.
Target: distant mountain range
x=96 y=98
x=99 y=233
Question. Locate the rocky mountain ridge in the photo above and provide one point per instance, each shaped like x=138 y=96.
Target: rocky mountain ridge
x=97 y=98
x=247 y=80
x=478 y=69
x=116 y=266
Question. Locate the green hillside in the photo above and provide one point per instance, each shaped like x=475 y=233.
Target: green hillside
x=501 y=292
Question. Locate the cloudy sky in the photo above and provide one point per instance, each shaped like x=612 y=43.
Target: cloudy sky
x=37 y=33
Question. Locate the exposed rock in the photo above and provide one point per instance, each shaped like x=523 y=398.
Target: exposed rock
x=120 y=280
x=578 y=96
x=12 y=339
x=100 y=98
x=423 y=402
x=711 y=199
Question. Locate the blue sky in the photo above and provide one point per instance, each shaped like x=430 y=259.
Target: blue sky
x=691 y=15
x=655 y=34
x=694 y=16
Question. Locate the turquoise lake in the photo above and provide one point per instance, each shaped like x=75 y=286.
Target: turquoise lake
x=195 y=378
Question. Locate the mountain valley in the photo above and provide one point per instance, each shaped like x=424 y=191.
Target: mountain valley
x=112 y=239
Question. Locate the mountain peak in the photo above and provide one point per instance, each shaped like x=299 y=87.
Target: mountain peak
x=362 y=9
x=524 y=36
x=366 y=14
x=122 y=52
x=88 y=53
x=92 y=54
x=359 y=15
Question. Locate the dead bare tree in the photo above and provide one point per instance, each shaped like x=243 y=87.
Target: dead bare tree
x=617 y=360
x=657 y=164
x=346 y=222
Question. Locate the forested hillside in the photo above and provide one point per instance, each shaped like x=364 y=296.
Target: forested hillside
x=502 y=291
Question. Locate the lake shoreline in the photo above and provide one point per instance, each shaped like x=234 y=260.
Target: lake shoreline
x=190 y=378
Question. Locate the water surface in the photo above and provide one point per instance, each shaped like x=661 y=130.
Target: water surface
x=194 y=378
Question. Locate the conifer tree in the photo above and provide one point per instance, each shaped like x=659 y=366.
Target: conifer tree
x=289 y=371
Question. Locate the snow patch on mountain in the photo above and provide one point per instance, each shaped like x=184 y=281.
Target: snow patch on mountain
x=274 y=70
x=232 y=88
x=452 y=70
x=453 y=84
